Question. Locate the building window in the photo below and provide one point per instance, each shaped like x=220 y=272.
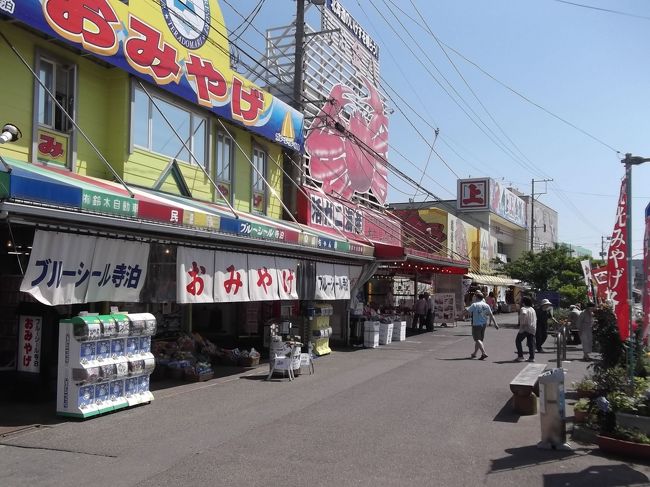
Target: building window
x=53 y=132
x=60 y=81
x=259 y=186
x=150 y=130
x=224 y=164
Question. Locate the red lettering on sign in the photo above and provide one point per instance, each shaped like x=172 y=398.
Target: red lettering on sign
x=50 y=147
x=210 y=83
x=148 y=54
x=91 y=23
x=475 y=195
x=247 y=104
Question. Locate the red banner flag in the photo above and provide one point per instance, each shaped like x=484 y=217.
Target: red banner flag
x=600 y=277
x=646 y=273
x=617 y=267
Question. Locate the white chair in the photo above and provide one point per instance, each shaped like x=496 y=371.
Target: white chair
x=285 y=363
x=307 y=361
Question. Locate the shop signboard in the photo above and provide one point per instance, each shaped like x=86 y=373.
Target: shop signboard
x=108 y=203
x=119 y=271
x=194 y=275
x=231 y=277
x=484 y=252
x=341 y=281
x=182 y=47
x=323 y=212
x=473 y=194
x=487 y=194
x=52 y=147
x=70 y=269
x=345 y=18
x=507 y=204
x=59 y=268
x=29 y=344
x=325 y=282
x=262 y=278
x=287 y=270
x=461 y=238
x=353 y=165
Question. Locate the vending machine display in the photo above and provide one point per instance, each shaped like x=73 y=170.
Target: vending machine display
x=104 y=363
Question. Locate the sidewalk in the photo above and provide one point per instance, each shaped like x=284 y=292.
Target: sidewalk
x=417 y=412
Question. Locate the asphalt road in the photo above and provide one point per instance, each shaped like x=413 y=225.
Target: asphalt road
x=418 y=413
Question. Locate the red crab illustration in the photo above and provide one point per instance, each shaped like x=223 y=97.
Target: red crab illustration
x=352 y=161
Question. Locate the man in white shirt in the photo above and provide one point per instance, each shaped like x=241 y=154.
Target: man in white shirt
x=527 y=329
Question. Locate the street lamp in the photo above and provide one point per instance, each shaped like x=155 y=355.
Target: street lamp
x=629 y=160
x=10 y=133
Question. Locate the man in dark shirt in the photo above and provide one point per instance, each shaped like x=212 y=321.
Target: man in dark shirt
x=544 y=315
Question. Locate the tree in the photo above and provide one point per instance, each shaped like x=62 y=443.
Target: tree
x=552 y=269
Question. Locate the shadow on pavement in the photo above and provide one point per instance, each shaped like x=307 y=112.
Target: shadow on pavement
x=600 y=475
x=528 y=456
x=16 y=416
x=506 y=414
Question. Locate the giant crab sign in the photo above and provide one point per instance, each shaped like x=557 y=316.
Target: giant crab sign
x=352 y=161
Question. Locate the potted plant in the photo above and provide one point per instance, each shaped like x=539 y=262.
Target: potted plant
x=581 y=410
x=586 y=388
x=625 y=442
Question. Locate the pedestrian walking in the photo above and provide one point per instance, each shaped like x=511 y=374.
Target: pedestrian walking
x=481 y=316
x=574 y=316
x=527 y=329
x=429 y=314
x=492 y=301
x=544 y=315
x=420 y=312
x=585 y=328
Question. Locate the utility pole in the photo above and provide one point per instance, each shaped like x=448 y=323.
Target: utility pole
x=630 y=161
x=532 y=209
x=293 y=163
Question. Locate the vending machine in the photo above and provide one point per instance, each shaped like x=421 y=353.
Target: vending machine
x=104 y=363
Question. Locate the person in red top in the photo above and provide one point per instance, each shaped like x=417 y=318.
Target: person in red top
x=491 y=300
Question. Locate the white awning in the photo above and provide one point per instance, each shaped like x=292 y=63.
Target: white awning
x=491 y=280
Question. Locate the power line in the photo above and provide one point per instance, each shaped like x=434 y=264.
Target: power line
x=491 y=135
x=514 y=91
x=591 y=7
x=248 y=21
x=467 y=84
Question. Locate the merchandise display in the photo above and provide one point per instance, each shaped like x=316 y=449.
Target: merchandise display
x=399 y=331
x=193 y=358
x=104 y=363
x=371 y=334
x=385 y=333
x=320 y=328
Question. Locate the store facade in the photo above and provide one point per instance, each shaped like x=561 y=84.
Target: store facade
x=123 y=149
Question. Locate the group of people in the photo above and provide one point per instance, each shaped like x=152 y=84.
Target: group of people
x=533 y=325
x=423 y=316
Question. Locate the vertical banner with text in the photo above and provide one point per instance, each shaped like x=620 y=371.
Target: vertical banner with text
x=29 y=344
x=231 y=279
x=194 y=275
x=646 y=273
x=262 y=278
x=287 y=270
x=617 y=267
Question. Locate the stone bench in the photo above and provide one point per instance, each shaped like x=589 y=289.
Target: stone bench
x=523 y=386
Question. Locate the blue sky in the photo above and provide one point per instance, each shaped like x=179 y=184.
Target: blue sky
x=586 y=66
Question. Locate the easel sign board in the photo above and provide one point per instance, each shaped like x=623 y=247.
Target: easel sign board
x=444 y=308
